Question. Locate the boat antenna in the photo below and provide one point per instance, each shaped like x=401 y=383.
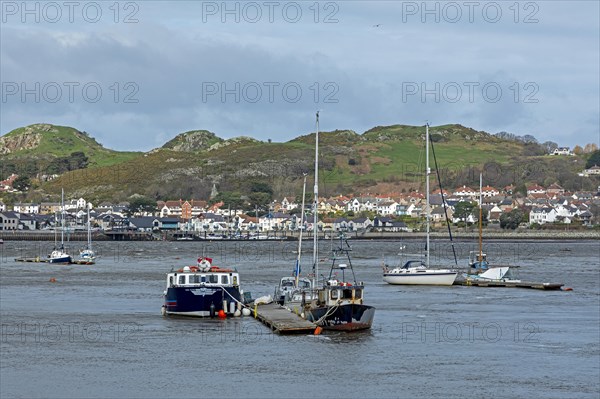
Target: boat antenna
x=316 y=209
x=297 y=271
x=439 y=178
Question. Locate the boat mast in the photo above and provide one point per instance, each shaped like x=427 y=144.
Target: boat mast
x=62 y=218
x=316 y=210
x=297 y=272
x=427 y=171
x=480 y=218
x=89 y=228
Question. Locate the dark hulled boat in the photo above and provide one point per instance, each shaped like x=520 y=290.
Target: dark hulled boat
x=338 y=305
x=202 y=291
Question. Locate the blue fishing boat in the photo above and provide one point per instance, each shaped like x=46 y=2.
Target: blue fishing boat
x=203 y=290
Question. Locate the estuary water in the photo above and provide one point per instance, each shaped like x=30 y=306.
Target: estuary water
x=97 y=330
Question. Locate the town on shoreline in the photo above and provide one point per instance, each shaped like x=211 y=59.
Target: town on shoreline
x=544 y=212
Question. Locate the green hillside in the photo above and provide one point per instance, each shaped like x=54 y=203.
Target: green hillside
x=381 y=159
x=45 y=142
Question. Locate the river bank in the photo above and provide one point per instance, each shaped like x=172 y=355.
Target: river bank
x=19 y=235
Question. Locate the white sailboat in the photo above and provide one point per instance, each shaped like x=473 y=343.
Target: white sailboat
x=87 y=254
x=59 y=254
x=417 y=272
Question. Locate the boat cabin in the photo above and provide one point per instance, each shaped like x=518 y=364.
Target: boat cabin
x=192 y=276
x=477 y=263
x=340 y=293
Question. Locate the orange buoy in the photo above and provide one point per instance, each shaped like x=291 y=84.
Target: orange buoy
x=318 y=330
x=567 y=289
x=52 y=280
x=221 y=314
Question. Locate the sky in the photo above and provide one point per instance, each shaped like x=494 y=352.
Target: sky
x=135 y=74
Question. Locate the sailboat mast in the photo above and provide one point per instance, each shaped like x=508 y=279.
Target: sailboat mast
x=480 y=217
x=301 y=229
x=427 y=171
x=89 y=228
x=62 y=217
x=316 y=210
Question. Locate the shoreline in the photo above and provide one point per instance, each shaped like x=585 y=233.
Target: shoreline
x=458 y=236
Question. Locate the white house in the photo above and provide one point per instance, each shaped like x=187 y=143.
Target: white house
x=9 y=221
x=465 y=191
x=26 y=208
x=592 y=171
x=542 y=215
x=353 y=205
x=562 y=151
x=535 y=189
x=387 y=208
x=360 y=224
x=2 y=206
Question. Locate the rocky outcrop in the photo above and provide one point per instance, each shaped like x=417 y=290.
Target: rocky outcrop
x=195 y=140
x=27 y=138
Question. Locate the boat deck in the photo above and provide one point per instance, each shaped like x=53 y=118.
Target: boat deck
x=282 y=321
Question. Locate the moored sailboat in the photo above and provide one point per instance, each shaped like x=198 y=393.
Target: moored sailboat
x=417 y=272
x=59 y=254
x=88 y=255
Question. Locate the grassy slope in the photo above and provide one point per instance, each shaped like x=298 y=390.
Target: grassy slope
x=61 y=141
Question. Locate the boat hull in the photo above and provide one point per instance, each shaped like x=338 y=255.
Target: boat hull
x=445 y=278
x=197 y=301
x=350 y=317
x=61 y=259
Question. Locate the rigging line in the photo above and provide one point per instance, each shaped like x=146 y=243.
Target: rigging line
x=437 y=171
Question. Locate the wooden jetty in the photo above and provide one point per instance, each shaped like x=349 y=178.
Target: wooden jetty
x=282 y=321
x=511 y=284
x=35 y=260
x=45 y=260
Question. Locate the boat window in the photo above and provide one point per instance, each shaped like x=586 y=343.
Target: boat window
x=181 y=279
x=170 y=280
x=304 y=284
x=194 y=279
x=347 y=294
x=213 y=279
x=224 y=280
x=357 y=294
x=334 y=294
x=203 y=279
x=235 y=280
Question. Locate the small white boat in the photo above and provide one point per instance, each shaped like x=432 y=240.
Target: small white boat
x=414 y=272
x=495 y=274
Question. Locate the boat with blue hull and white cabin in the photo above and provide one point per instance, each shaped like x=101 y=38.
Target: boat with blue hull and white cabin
x=203 y=290
x=59 y=255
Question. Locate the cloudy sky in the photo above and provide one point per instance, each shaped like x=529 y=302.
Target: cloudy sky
x=135 y=74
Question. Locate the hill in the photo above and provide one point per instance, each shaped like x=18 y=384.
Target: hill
x=382 y=159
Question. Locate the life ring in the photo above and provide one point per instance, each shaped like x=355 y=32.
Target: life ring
x=204 y=265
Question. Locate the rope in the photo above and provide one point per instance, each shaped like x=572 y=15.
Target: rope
x=329 y=312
